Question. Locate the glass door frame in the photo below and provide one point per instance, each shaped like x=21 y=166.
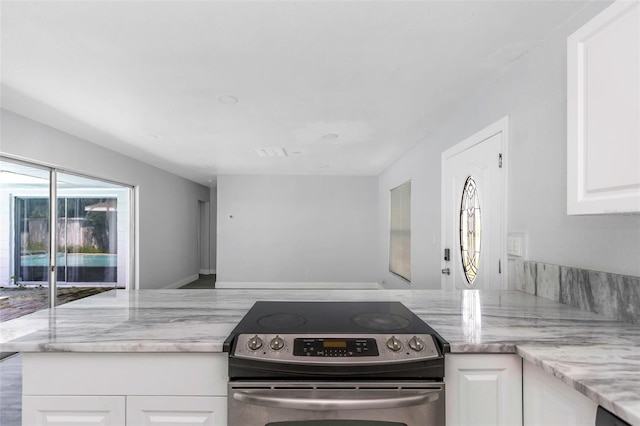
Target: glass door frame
x=132 y=275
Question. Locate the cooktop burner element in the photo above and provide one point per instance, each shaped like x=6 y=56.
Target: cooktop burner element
x=281 y=321
x=380 y=321
x=350 y=340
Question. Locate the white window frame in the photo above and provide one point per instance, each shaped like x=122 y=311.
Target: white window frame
x=399 y=221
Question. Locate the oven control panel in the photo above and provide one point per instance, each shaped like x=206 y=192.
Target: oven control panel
x=332 y=347
x=336 y=349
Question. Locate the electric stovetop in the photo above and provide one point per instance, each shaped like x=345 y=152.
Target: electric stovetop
x=281 y=339
x=331 y=317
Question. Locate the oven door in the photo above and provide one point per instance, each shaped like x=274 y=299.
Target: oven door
x=336 y=404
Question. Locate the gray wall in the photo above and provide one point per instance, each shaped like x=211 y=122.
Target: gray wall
x=533 y=93
x=296 y=228
x=168 y=204
x=213 y=236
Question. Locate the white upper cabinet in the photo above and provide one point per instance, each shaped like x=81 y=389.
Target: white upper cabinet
x=603 y=112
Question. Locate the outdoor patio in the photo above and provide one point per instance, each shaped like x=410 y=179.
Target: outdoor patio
x=16 y=302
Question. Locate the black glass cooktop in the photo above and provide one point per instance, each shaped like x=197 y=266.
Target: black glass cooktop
x=369 y=320
x=270 y=317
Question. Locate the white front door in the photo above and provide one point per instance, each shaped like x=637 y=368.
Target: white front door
x=474 y=212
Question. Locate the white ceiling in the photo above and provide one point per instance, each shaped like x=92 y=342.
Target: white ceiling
x=146 y=78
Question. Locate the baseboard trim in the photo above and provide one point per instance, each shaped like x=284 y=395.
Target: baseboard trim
x=207 y=271
x=299 y=285
x=182 y=282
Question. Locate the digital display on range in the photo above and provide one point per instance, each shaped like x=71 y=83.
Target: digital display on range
x=334 y=344
x=319 y=347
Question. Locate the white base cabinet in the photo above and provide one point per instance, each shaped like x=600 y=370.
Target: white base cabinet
x=549 y=402
x=176 y=410
x=135 y=389
x=483 y=389
x=190 y=390
x=120 y=410
x=73 y=410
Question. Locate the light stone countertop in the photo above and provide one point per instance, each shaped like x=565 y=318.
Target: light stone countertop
x=596 y=356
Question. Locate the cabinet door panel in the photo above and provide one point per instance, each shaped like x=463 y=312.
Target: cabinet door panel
x=479 y=395
x=176 y=410
x=73 y=410
x=483 y=389
x=603 y=105
x=549 y=402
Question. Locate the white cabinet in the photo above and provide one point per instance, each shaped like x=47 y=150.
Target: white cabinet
x=483 y=389
x=120 y=410
x=603 y=110
x=73 y=410
x=124 y=389
x=549 y=402
x=178 y=410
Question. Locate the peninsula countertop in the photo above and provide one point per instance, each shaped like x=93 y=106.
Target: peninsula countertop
x=598 y=357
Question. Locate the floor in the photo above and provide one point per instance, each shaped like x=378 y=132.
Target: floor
x=11 y=371
x=205 y=281
x=11 y=391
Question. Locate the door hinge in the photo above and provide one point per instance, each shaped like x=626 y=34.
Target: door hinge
x=500 y=160
x=499 y=266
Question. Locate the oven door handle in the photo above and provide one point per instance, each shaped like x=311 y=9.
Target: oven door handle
x=327 y=404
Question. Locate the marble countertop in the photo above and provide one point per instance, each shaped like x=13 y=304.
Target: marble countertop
x=596 y=356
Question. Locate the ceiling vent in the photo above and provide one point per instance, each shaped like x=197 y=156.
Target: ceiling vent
x=271 y=152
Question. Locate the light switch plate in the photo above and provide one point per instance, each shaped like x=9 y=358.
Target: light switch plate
x=516 y=243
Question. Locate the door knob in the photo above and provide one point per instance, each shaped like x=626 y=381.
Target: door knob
x=446 y=271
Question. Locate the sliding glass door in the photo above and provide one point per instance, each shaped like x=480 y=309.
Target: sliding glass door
x=24 y=225
x=91 y=233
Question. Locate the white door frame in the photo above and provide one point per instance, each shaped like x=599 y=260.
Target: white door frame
x=501 y=125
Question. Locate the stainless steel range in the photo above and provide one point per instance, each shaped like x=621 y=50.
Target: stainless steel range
x=335 y=364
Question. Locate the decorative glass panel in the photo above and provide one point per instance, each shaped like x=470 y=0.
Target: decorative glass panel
x=470 y=230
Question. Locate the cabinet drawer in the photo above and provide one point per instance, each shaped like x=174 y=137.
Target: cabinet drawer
x=125 y=374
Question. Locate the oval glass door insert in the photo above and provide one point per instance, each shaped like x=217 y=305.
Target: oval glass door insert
x=470 y=230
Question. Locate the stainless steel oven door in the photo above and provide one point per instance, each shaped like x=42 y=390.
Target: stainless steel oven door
x=336 y=404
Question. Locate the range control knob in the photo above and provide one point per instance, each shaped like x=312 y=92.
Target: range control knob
x=416 y=344
x=394 y=344
x=254 y=343
x=276 y=343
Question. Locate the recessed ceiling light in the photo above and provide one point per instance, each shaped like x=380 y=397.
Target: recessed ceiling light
x=271 y=152
x=227 y=99
x=330 y=136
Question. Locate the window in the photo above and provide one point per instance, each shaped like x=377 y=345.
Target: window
x=470 y=230
x=400 y=231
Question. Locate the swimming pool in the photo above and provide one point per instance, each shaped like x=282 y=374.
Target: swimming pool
x=72 y=260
